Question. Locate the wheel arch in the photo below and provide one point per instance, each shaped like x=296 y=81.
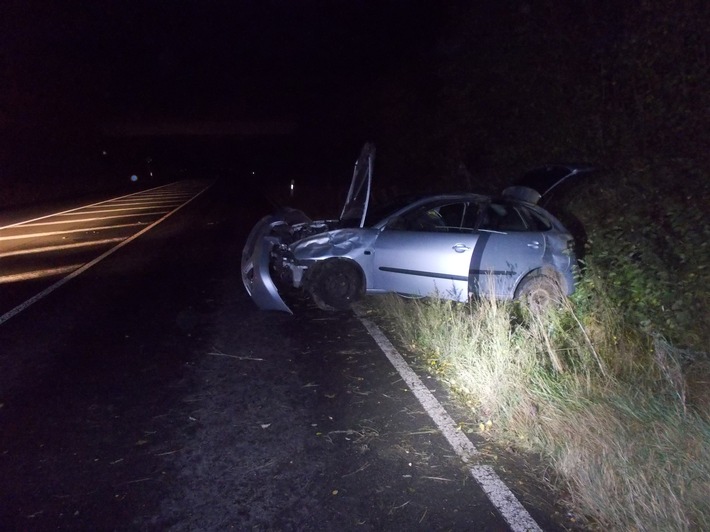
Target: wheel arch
x=318 y=266
x=323 y=282
x=545 y=271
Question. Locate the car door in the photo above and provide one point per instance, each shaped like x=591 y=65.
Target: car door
x=425 y=252
x=509 y=247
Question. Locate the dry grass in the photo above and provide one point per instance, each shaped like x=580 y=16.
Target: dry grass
x=607 y=405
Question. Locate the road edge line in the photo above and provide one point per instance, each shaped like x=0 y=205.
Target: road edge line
x=498 y=493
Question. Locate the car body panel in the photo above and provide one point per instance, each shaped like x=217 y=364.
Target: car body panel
x=547 y=180
x=495 y=271
x=423 y=264
x=256 y=258
x=355 y=208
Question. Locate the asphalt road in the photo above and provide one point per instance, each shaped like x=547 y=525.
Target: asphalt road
x=148 y=393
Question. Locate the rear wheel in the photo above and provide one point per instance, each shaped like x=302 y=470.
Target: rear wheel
x=335 y=285
x=539 y=292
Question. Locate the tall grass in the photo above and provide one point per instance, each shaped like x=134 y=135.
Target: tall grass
x=605 y=404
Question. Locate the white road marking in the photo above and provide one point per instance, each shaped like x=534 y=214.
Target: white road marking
x=502 y=498
x=61 y=247
x=68 y=231
x=37 y=274
x=22 y=306
x=458 y=440
x=94 y=219
x=495 y=489
x=83 y=207
x=148 y=200
x=147 y=206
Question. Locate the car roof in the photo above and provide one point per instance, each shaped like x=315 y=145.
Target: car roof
x=418 y=200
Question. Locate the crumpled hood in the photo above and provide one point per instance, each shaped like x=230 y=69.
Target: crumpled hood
x=339 y=242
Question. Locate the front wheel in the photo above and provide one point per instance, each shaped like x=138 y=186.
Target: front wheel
x=335 y=285
x=539 y=292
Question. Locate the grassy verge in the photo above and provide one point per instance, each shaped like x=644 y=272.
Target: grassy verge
x=621 y=415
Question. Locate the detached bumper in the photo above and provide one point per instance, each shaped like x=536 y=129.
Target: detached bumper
x=256 y=257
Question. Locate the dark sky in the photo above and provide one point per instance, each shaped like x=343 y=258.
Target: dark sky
x=203 y=74
x=119 y=62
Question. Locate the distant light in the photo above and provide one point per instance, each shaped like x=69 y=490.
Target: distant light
x=293 y=184
x=134 y=178
x=151 y=174
x=104 y=152
x=253 y=173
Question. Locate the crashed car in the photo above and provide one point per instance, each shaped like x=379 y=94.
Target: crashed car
x=452 y=246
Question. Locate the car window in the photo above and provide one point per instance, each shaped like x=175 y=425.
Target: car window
x=534 y=220
x=470 y=217
x=461 y=217
x=452 y=214
x=504 y=217
x=425 y=218
x=454 y=217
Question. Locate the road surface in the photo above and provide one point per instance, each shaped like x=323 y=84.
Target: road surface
x=140 y=389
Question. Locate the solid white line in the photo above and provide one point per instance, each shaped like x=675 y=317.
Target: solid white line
x=22 y=306
x=495 y=489
x=458 y=440
x=502 y=498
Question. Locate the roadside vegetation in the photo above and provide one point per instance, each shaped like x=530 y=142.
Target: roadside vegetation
x=611 y=388
x=619 y=413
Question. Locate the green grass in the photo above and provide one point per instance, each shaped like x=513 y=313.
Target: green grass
x=605 y=403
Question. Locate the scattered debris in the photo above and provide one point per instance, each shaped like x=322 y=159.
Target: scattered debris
x=220 y=354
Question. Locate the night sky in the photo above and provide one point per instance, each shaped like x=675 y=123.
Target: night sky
x=218 y=73
x=295 y=87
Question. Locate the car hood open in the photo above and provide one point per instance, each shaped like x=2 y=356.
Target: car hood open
x=355 y=208
x=256 y=255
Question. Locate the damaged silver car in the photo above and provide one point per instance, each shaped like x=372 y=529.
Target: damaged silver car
x=451 y=246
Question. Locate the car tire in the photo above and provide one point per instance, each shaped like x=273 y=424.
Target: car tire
x=335 y=285
x=539 y=292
